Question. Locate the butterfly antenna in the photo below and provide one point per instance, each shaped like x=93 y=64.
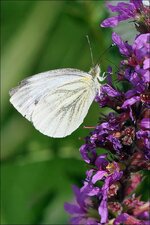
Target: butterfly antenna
x=91 y=53
x=104 y=52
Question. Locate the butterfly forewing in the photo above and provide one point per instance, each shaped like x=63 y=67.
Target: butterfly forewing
x=55 y=101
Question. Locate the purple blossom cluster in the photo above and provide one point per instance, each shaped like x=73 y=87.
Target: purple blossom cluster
x=136 y=11
x=108 y=195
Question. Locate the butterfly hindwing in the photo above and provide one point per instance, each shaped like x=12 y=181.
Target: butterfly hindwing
x=62 y=111
x=55 y=101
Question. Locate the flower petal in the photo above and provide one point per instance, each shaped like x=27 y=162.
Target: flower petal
x=145 y=123
x=110 y=22
x=130 y=101
x=98 y=176
x=121 y=219
x=103 y=211
x=146 y=64
x=72 y=209
x=123 y=47
x=110 y=91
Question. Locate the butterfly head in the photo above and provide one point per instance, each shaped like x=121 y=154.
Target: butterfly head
x=95 y=71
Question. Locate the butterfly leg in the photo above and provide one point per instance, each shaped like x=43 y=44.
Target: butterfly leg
x=102 y=77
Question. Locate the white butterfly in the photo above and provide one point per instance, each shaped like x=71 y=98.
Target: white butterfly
x=146 y=2
x=57 y=101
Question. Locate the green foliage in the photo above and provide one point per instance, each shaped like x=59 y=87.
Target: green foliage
x=145 y=185
x=34 y=192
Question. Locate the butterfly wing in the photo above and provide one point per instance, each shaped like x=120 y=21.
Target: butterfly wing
x=55 y=101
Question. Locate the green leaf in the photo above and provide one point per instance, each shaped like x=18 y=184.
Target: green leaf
x=35 y=192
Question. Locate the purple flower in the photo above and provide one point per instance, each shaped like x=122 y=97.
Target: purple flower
x=139 y=51
x=109 y=173
x=145 y=123
x=115 y=142
x=88 y=152
x=98 y=176
x=103 y=134
x=130 y=101
x=136 y=71
x=125 y=10
x=81 y=209
x=121 y=219
x=91 y=198
x=101 y=162
x=111 y=92
x=136 y=68
x=134 y=211
x=143 y=137
x=138 y=54
x=135 y=11
x=128 y=219
x=103 y=208
x=109 y=96
x=111 y=134
x=124 y=47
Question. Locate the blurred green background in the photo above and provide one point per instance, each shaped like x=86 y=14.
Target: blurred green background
x=36 y=171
